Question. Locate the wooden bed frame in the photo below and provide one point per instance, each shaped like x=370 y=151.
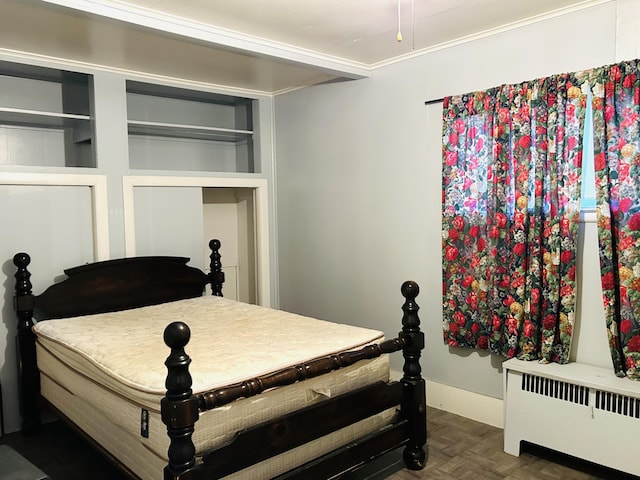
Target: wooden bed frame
x=135 y=282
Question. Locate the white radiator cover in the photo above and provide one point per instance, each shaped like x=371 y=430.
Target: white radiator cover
x=578 y=409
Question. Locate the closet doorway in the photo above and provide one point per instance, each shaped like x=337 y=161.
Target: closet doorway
x=229 y=215
x=180 y=215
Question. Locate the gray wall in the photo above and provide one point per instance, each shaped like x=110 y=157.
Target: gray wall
x=359 y=180
x=37 y=220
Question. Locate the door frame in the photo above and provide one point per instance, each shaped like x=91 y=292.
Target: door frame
x=261 y=198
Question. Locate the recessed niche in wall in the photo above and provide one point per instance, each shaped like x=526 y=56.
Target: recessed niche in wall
x=179 y=129
x=163 y=211
x=45 y=117
x=189 y=217
x=229 y=215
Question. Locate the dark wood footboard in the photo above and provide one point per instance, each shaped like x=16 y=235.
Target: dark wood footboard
x=180 y=410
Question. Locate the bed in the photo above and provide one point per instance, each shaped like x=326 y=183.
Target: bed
x=171 y=380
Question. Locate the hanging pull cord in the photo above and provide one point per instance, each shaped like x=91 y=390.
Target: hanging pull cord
x=399 y=35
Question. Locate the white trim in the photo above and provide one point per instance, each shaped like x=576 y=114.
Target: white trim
x=100 y=209
x=474 y=406
x=246 y=45
x=588 y=215
x=92 y=68
x=492 y=31
x=259 y=185
x=224 y=38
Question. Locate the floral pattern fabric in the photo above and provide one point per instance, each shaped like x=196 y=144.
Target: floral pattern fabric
x=616 y=119
x=512 y=158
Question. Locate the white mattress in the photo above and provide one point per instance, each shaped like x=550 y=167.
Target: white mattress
x=86 y=376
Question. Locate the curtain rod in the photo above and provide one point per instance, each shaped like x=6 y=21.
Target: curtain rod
x=435 y=100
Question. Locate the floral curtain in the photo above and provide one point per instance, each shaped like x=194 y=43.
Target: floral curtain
x=616 y=123
x=512 y=160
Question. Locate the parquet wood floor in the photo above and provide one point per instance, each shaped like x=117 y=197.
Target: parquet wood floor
x=462 y=449
x=459 y=449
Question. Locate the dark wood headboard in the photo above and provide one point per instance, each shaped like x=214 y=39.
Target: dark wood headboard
x=100 y=287
x=114 y=285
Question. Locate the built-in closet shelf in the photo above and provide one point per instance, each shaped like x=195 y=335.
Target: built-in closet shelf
x=35 y=118
x=80 y=125
x=173 y=128
x=194 y=132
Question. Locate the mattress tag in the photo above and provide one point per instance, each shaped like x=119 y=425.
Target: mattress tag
x=144 y=423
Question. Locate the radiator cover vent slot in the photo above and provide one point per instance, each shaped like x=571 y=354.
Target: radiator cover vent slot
x=549 y=387
x=616 y=403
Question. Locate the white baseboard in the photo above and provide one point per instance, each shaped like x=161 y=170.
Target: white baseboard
x=461 y=402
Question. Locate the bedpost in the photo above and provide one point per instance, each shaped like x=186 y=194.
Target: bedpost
x=414 y=405
x=179 y=407
x=216 y=276
x=28 y=374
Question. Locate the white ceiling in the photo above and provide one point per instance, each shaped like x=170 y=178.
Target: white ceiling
x=266 y=46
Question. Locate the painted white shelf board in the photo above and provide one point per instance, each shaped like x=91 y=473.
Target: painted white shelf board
x=39 y=119
x=195 y=132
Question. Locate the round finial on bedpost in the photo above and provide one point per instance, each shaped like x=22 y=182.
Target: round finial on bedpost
x=413 y=337
x=410 y=290
x=414 y=404
x=216 y=275
x=179 y=407
x=23 y=284
x=177 y=335
x=21 y=259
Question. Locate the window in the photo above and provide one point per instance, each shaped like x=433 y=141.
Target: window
x=588 y=192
